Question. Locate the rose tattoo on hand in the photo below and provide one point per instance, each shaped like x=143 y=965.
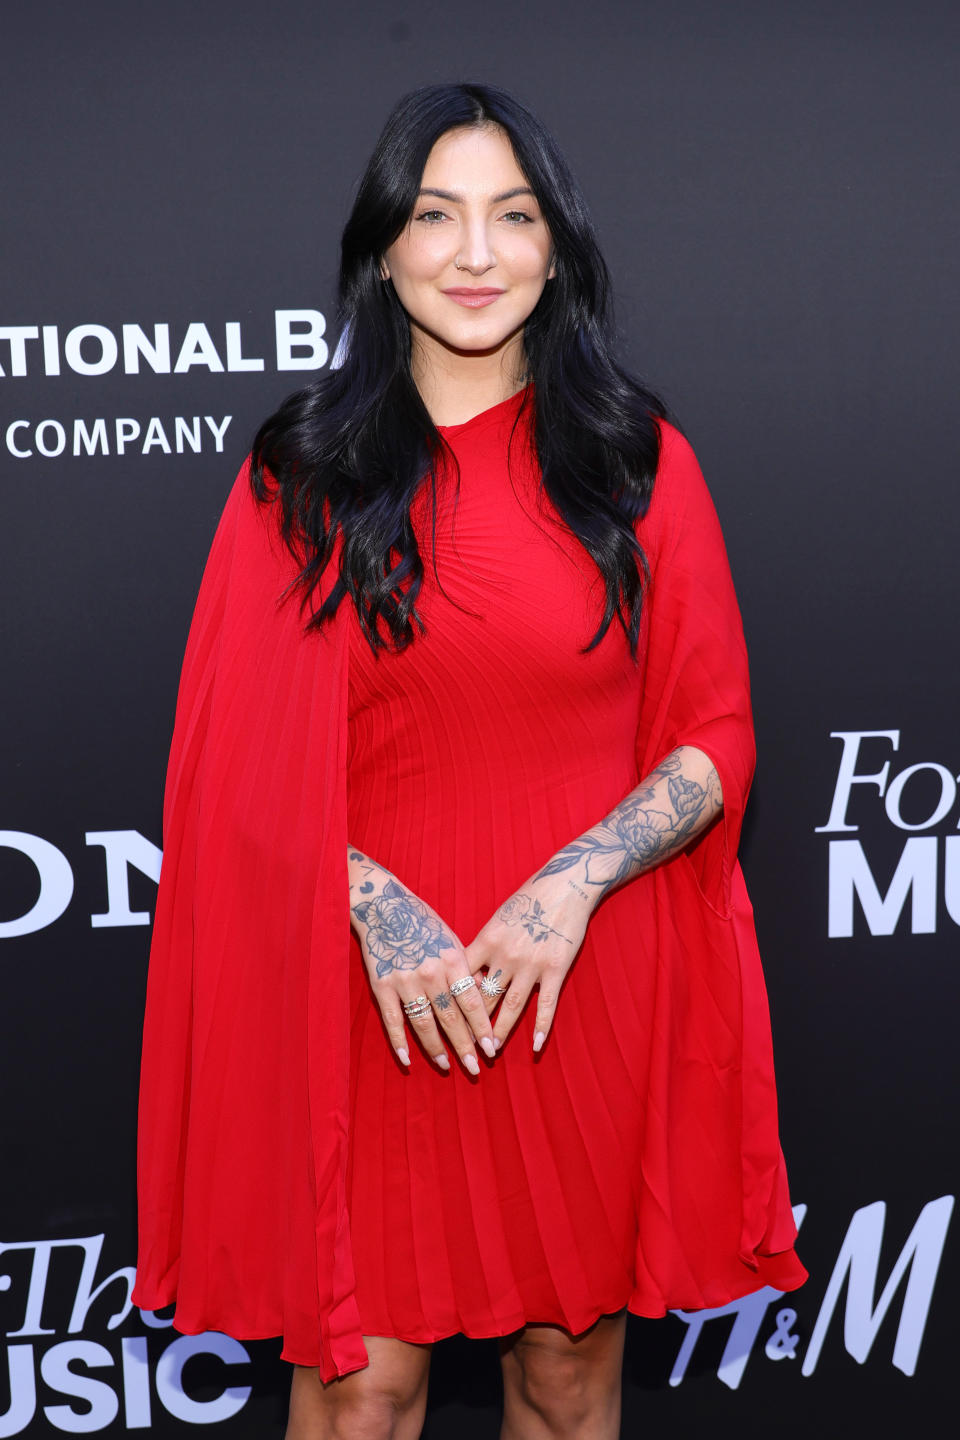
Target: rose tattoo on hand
x=527 y=911
x=401 y=931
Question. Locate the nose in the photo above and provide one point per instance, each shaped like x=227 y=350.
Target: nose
x=476 y=252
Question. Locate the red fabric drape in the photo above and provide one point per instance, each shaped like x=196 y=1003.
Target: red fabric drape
x=243 y=1098
x=243 y=1117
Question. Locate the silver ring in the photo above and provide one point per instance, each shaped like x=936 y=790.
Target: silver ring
x=416 y=1003
x=466 y=982
x=418 y=1012
x=490 y=986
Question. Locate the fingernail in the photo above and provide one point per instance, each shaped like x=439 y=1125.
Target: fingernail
x=538 y=1040
x=497 y=1042
x=472 y=1064
x=402 y=1056
x=489 y=1047
x=443 y=1061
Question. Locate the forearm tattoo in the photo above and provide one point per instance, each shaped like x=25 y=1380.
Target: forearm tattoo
x=654 y=821
x=523 y=909
x=401 y=932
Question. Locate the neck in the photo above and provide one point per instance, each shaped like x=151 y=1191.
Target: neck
x=455 y=385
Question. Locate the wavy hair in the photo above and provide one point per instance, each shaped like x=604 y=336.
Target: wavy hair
x=351 y=449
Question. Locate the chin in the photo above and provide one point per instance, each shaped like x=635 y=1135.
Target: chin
x=471 y=337
x=491 y=330
x=475 y=346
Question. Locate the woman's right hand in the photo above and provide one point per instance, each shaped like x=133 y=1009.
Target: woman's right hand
x=410 y=952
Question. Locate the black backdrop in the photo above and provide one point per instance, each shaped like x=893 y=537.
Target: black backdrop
x=776 y=192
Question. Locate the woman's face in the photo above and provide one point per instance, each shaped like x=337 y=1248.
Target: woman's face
x=475 y=255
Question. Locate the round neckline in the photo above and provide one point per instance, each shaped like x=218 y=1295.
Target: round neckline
x=492 y=412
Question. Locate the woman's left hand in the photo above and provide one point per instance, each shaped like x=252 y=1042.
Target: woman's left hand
x=533 y=939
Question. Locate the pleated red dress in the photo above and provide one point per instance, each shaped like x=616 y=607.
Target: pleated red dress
x=300 y=1181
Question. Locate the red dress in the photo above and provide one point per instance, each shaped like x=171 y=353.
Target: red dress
x=294 y=1179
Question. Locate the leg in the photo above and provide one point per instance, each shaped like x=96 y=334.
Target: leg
x=562 y=1386
x=385 y=1401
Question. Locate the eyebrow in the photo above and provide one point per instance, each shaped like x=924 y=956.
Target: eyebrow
x=495 y=199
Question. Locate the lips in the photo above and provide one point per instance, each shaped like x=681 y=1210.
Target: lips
x=473 y=298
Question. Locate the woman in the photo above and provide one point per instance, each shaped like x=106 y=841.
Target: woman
x=466 y=670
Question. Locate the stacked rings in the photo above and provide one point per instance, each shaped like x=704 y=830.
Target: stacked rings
x=416 y=1007
x=466 y=982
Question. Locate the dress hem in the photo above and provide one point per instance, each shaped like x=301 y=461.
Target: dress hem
x=645 y=1308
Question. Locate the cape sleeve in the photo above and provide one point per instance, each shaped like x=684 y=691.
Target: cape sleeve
x=242 y=1124
x=696 y=688
x=717 y=1193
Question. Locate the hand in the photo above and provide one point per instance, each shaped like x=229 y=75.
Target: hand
x=409 y=952
x=533 y=939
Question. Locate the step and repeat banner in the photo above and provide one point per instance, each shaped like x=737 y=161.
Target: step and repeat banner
x=775 y=191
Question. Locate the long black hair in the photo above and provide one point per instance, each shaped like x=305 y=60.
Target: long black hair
x=351 y=449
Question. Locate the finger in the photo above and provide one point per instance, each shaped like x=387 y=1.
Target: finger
x=452 y=1019
x=423 y=1025
x=546 y=1007
x=512 y=1004
x=392 y=1016
x=475 y=1012
x=496 y=977
x=476 y=959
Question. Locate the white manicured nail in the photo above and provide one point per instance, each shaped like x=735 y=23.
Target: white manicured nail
x=402 y=1056
x=443 y=1061
x=472 y=1064
x=488 y=1046
x=538 y=1040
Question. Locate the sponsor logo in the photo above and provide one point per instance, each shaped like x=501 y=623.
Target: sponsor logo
x=134 y=349
x=50 y=438
x=857 y=1267
x=914 y=800
x=297 y=343
x=140 y=1373
x=122 y=850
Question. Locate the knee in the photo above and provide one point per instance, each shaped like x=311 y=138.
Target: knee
x=361 y=1406
x=369 y=1416
x=371 y=1408
x=559 y=1387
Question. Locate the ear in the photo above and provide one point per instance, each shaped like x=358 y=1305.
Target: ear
x=384 y=272
x=552 y=272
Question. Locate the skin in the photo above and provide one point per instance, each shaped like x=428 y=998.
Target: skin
x=465 y=360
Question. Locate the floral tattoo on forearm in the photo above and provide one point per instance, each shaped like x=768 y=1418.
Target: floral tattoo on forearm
x=647 y=827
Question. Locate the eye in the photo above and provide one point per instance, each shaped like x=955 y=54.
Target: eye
x=518 y=215
x=428 y=215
